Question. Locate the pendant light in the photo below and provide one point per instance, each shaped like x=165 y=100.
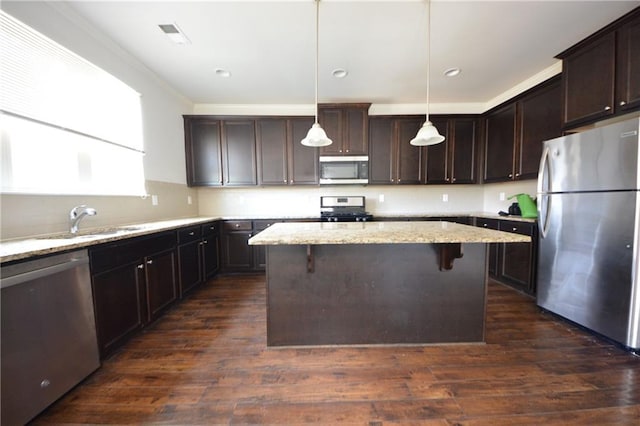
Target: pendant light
x=316 y=136
x=428 y=134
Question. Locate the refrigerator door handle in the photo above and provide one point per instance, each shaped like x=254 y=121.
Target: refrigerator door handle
x=542 y=171
x=544 y=199
x=544 y=207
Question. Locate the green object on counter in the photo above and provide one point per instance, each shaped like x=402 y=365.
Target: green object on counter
x=527 y=205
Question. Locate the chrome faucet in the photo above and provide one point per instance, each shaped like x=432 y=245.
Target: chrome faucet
x=77 y=213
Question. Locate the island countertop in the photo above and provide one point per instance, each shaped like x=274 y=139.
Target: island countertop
x=314 y=233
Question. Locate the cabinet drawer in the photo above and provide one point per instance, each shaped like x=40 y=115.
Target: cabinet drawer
x=517 y=227
x=210 y=228
x=238 y=225
x=487 y=223
x=191 y=233
x=113 y=255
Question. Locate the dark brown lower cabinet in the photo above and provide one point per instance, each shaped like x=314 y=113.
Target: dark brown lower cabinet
x=133 y=282
x=513 y=264
x=237 y=254
x=198 y=255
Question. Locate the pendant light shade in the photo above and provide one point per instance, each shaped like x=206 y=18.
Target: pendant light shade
x=428 y=134
x=316 y=136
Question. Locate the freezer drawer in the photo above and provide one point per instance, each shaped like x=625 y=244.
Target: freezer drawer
x=586 y=269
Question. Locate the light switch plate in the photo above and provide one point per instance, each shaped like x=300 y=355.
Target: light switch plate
x=154 y=200
x=445 y=198
x=381 y=198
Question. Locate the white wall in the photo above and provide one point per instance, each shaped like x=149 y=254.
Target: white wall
x=162 y=110
x=162 y=107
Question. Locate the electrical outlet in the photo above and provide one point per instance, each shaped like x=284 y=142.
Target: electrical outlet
x=445 y=198
x=502 y=196
x=154 y=200
x=189 y=200
x=381 y=198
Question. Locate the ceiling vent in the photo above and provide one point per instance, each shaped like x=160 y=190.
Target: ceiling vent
x=174 y=33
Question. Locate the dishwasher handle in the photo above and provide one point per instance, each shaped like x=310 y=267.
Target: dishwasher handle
x=42 y=272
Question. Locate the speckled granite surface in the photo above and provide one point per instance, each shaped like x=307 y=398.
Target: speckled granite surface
x=380 y=233
x=47 y=244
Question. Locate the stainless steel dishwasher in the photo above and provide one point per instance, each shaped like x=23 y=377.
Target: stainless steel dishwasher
x=48 y=332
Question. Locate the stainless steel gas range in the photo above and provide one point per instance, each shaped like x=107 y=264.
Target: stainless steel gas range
x=343 y=209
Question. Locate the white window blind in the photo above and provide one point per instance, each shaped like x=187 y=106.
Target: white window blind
x=68 y=126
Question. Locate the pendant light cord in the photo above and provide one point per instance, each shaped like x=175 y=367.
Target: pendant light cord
x=428 y=53
x=317 y=49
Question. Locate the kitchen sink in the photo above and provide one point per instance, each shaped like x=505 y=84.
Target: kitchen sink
x=96 y=233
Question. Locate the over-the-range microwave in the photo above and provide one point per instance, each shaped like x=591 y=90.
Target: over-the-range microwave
x=344 y=169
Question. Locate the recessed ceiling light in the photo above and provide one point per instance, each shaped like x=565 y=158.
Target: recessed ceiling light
x=174 y=33
x=340 y=73
x=220 y=72
x=452 y=72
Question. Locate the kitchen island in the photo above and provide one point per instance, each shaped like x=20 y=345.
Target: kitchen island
x=376 y=282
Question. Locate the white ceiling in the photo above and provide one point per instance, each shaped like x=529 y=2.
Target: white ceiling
x=268 y=46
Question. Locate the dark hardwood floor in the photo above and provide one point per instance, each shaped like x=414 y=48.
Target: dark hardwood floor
x=205 y=362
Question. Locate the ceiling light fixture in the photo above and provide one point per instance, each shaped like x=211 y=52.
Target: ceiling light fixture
x=428 y=134
x=340 y=73
x=174 y=33
x=316 y=136
x=452 y=72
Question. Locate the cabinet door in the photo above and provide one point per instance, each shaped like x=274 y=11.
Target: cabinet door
x=203 y=152
x=438 y=155
x=500 y=128
x=408 y=157
x=356 y=140
x=189 y=266
x=271 y=138
x=118 y=296
x=494 y=251
x=463 y=154
x=238 y=254
x=381 y=150
x=516 y=266
x=588 y=75
x=211 y=256
x=162 y=289
x=628 y=66
x=540 y=119
x=331 y=121
x=239 y=151
x=303 y=161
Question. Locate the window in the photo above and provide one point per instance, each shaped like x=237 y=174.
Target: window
x=68 y=127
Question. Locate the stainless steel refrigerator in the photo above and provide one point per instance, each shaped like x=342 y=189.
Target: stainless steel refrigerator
x=589 y=220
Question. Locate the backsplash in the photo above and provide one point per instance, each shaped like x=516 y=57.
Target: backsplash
x=27 y=215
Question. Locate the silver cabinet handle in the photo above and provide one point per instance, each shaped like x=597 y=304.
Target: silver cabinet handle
x=485 y=225
x=141 y=266
x=607 y=108
x=150 y=262
x=45 y=383
x=205 y=242
x=514 y=229
x=192 y=233
x=622 y=103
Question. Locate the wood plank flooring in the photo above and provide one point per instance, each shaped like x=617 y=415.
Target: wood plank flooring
x=206 y=362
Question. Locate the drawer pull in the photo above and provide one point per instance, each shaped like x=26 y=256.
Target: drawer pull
x=607 y=108
x=622 y=103
x=150 y=262
x=141 y=266
x=45 y=383
x=485 y=225
x=514 y=229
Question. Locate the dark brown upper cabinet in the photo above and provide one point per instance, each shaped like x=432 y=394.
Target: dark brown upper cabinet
x=454 y=160
x=283 y=160
x=514 y=132
x=392 y=159
x=347 y=126
x=601 y=74
x=239 y=152
x=203 y=150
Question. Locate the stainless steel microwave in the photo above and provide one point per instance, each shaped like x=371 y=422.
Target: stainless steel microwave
x=344 y=170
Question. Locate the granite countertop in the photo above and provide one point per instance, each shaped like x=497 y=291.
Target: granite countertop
x=380 y=233
x=47 y=244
